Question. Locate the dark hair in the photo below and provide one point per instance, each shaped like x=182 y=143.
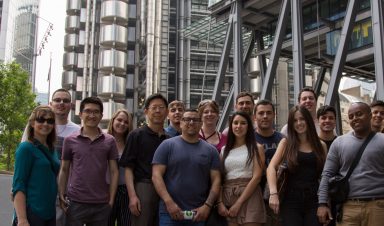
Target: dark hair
x=293 y=142
x=324 y=109
x=38 y=112
x=377 y=103
x=192 y=110
x=155 y=96
x=307 y=89
x=110 y=129
x=244 y=94
x=61 y=90
x=250 y=139
x=263 y=102
x=91 y=100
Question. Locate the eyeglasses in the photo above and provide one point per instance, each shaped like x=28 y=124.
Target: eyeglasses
x=59 y=100
x=154 y=108
x=41 y=120
x=191 y=120
x=90 y=112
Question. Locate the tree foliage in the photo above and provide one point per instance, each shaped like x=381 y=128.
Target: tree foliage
x=16 y=104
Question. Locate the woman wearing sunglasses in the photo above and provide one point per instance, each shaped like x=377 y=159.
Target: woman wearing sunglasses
x=36 y=167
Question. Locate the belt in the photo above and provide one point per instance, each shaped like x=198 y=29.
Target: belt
x=365 y=199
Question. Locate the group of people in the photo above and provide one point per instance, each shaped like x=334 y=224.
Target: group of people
x=188 y=173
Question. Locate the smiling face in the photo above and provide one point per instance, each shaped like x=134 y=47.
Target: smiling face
x=209 y=115
x=377 y=117
x=175 y=113
x=191 y=124
x=121 y=124
x=239 y=126
x=299 y=124
x=327 y=121
x=308 y=100
x=91 y=115
x=156 y=112
x=359 y=116
x=61 y=103
x=264 y=117
x=245 y=104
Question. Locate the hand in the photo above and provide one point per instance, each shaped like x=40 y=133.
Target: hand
x=202 y=213
x=223 y=211
x=64 y=203
x=234 y=210
x=174 y=210
x=274 y=203
x=324 y=214
x=134 y=206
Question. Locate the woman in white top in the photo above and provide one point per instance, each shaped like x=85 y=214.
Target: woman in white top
x=243 y=162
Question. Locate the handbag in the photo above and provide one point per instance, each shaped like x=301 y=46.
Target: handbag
x=282 y=179
x=338 y=186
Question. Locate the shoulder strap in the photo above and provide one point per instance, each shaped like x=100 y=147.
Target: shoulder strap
x=359 y=154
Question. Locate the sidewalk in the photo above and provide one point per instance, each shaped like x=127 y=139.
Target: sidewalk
x=6 y=172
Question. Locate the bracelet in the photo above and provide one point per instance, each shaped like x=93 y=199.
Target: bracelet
x=207 y=204
x=273 y=194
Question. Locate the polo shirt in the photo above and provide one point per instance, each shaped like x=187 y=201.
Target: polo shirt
x=139 y=150
x=89 y=163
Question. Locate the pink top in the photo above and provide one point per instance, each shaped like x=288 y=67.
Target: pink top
x=222 y=139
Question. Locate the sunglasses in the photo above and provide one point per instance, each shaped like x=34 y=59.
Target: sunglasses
x=41 y=120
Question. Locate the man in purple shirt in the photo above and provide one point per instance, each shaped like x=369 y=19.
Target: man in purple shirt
x=86 y=197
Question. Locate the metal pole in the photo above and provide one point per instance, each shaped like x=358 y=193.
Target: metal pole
x=378 y=43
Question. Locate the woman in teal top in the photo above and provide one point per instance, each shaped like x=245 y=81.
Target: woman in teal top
x=34 y=186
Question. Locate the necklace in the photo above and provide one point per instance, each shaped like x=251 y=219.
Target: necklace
x=206 y=138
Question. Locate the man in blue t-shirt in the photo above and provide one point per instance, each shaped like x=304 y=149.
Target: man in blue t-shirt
x=264 y=116
x=186 y=175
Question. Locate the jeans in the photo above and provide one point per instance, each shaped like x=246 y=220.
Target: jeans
x=80 y=214
x=299 y=207
x=358 y=213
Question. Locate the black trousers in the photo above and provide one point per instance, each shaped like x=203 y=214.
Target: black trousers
x=35 y=220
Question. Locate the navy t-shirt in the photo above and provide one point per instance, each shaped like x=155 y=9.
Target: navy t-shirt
x=187 y=176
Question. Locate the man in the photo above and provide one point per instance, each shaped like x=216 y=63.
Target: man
x=186 y=174
x=176 y=109
x=308 y=99
x=137 y=158
x=87 y=155
x=264 y=116
x=377 y=108
x=244 y=103
x=364 y=206
x=326 y=116
x=61 y=105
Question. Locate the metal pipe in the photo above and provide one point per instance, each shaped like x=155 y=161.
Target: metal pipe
x=86 y=45
x=377 y=7
x=92 y=45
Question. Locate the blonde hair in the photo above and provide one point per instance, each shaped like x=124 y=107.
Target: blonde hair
x=114 y=116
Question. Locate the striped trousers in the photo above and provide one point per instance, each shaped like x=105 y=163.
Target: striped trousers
x=120 y=211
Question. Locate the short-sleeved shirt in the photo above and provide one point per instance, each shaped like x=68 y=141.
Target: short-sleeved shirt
x=270 y=144
x=187 y=176
x=35 y=178
x=139 y=150
x=62 y=132
x=171 y=131
x=89 y=163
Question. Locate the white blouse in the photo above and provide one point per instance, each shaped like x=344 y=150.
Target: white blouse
x=236 y=163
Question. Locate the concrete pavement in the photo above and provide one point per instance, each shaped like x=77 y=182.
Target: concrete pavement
x=6 y=207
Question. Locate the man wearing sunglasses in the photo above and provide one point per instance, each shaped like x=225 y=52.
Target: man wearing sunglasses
x=185 y=173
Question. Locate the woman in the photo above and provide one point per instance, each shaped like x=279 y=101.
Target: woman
x=119 y=126
x=305 y=155
x=209 y=110
x=34 y=187
x=241 y=199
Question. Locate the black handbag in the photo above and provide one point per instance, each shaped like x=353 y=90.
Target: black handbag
x=338 y=186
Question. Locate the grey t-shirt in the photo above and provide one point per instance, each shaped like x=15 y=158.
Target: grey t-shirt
x=367 y=179
x=187 y=177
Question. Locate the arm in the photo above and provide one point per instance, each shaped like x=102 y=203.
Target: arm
x=257 y=172
x=272 y=175
x=63 y=180
x=173 y=209
x=21 y=208
x=203 y=211
x=114 y=175
x=134 y=201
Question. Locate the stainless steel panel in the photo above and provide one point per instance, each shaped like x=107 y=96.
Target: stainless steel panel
x=112 y=61
x=113 y=36
x=72 y=24
x=68 y=79
x=254 y=66
x=110 y=108
x=71 y=41
x=111 y=85
x=256 y=85
x=73 y=7
x=111 y=10
x=69 y=60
